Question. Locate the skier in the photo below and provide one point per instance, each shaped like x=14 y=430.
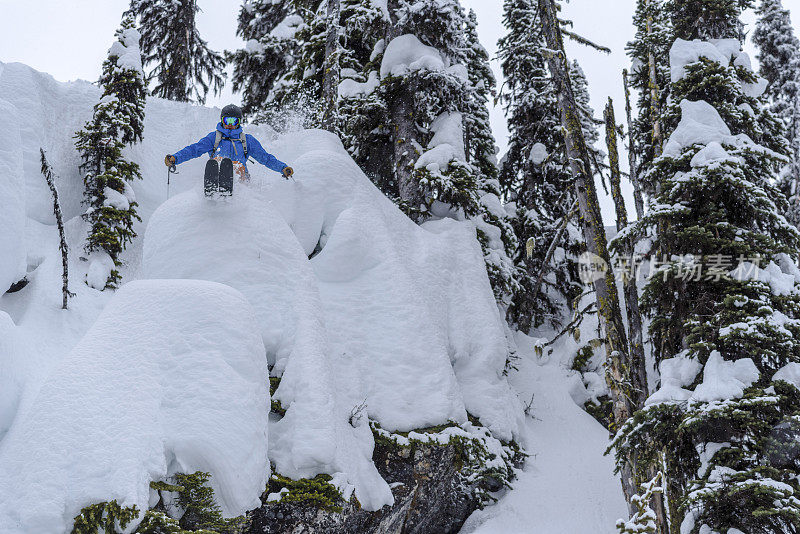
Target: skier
x=228 y=148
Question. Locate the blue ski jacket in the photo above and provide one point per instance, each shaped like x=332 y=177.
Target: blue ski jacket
x=230 y=146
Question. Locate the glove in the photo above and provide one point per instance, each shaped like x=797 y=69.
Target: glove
x=169 y=161
x=287 y=172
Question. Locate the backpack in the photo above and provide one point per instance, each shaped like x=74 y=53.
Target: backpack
x=218 y=140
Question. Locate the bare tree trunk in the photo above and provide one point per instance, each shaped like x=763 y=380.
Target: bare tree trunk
x=552 y=248
x=609 y=313
x=47 y=171
x=655 y=108
x=638 y=367
x=330 y=81
x=404 y=128
x=634 y=170
x=638 y=362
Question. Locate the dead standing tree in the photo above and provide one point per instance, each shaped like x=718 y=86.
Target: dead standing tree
x=618 y=362
x=47 y=171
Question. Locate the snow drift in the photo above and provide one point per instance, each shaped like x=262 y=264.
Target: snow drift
x=362 y=313
x=171 y=378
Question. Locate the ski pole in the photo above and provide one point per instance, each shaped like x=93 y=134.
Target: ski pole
x=172 y=169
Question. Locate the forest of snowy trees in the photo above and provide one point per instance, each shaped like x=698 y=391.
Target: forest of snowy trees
x=685 y=316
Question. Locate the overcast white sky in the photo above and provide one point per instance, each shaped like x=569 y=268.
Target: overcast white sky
x=69 y=39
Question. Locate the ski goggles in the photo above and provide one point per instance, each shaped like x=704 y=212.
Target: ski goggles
x=230 y=121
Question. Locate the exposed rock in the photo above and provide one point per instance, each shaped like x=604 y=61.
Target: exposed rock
x=432 y=496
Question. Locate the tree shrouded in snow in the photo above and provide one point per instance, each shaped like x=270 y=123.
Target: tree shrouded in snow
x=268 y=29
x=724 y=296
x=412 y=110
x=649 y=53
x=779 y=64
x=184 y=68
x=118 y=121
x=535 y=175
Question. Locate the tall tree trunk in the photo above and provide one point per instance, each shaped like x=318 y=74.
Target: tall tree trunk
x=330 y=81
x=608 y=307
x=638 y=367
x=655 y=108
x=632 y=163
x=404 y=129
x=638 y=363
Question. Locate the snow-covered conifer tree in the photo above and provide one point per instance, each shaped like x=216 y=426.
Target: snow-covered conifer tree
x=184 y=68
x=268 y=29
x=363 y=114
x=649 y=53
x=412 y=110
x=118 y=121
x=779 y=60
x=724 y=297
x=535 y=174
x=481 y=152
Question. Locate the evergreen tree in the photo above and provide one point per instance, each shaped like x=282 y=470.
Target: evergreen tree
x=268 y=29
x=729 y=434
x=535 y=175
x=779 y=59
x=481 y=152
x=118 y=121
x=184 y=68
x=301 y=87
x=707 y=19
x=421 y=134
x=649 y=53
x=363 y=114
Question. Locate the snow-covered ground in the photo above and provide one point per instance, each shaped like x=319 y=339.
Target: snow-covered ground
x=385 y=314
x=567 y=485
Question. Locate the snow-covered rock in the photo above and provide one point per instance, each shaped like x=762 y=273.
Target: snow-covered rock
x=171 y=378
x=385 y=313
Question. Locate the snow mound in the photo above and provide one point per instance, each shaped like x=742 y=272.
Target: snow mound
x=568 y=484
x=723 y=380
x=361 y=312
x=700 y=123
x=406 y=53
x=12 y=191
x=10 y=385
x=789 y=373
x=676 y=374
x=171 y=378
x=388 y=315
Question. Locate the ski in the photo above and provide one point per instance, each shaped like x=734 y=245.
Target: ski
x=226 y=177
x=211 y=178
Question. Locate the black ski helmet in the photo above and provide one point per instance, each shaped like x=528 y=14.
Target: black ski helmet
x=231 y=111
